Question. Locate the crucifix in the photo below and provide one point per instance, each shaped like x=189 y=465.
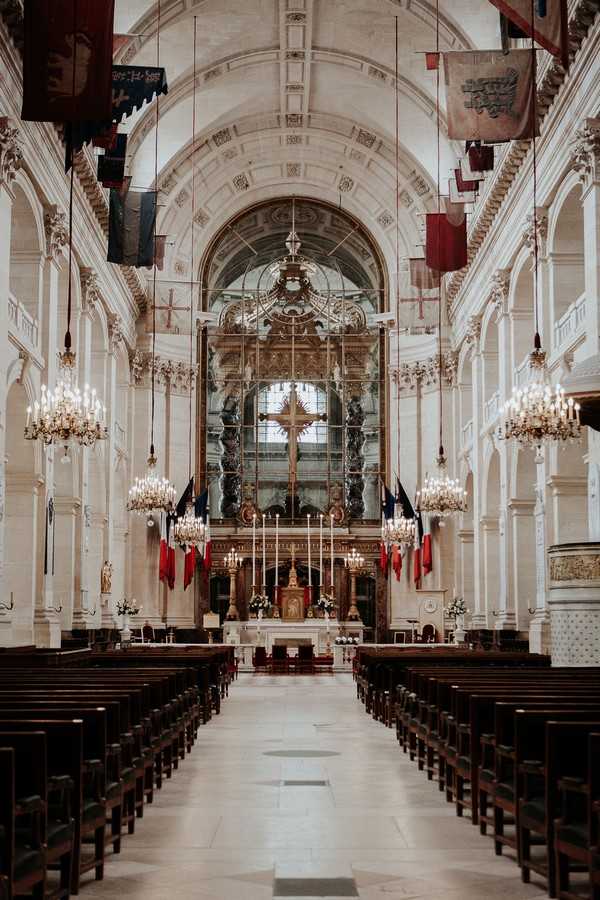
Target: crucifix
x=170 y=309
x=293 y=419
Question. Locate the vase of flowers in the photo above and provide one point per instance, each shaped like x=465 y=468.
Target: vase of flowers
x=127 y=608
x=457 y=610
x=326 y=605
x=258 y=604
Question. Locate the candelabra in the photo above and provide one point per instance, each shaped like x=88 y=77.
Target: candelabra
x=190 y=530
x=355 y=563
x=67 y=414
x=441 y=495
x=537 y=412
x=233 y=562
x=151 y=492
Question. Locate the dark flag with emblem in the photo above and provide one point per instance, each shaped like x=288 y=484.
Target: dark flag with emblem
x=446 y=239
x=550 y=23
x=111 y=166
x=132 y=218
x=403 y=501
x=489 y=95
x=67 y=60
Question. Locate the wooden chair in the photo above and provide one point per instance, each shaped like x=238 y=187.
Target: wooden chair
x=279 y=659
x=306 y=659
x=260 y=659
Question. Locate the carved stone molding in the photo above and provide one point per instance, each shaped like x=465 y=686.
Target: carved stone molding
x=473 y=333
x=56 y=230
x=585 y=151
x=11 y=155
x=499 y=290
x=116 y=331
x=575 y=563
x=426 y=372
x=90 y=289
x=180 y=376
x=542 y=231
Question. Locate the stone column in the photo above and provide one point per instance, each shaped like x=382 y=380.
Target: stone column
x=466 y=562
x=479 y=617
x=585 y=158
x=574 y=600
x=46 y=614
x=10 y=161
x=523 y=560
x=490 y=527
x=539 y=627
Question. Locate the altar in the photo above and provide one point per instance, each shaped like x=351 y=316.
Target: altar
x=266 y=632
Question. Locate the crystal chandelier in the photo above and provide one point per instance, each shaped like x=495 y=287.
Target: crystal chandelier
x=190 y=530
x=66 y=414
x=151 y=492
x=441 y=495
x=400 y=530
x=538 y=412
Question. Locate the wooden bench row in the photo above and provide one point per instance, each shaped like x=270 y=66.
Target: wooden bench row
x=517 y=749
x=99 y=741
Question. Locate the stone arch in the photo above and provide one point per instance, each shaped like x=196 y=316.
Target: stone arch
x=521 y=312
x=490 y=526
x=566 y=265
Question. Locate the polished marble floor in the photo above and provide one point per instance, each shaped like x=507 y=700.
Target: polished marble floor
x=291 y=790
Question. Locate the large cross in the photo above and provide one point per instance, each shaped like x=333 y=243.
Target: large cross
x=171 y=308
x=420 y=299
x=294 y=419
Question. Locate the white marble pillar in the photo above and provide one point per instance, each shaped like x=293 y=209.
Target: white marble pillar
x=490 y=527
x=574 y=600
x=586 y=162
x=85 y=609
x=10 y=160
x=523 y=560
x=479 y=617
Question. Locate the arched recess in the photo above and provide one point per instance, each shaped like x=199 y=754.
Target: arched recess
x=521 y=312
x=490 y=525
x=23 y=519
x=491 y=381
x=521 y=508
x=566 y=265
x=26 y=265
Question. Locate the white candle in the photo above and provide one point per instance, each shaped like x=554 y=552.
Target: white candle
x=253 y=551
x=321 y=551
x=275 y=598
x=264 y=578
x=331 y=575
x=308 y=542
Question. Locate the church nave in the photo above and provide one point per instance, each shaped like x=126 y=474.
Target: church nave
x=245 y=812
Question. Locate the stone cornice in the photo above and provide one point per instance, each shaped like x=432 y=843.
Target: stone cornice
x=426 y=372
x=550 y=83
x=178 y=374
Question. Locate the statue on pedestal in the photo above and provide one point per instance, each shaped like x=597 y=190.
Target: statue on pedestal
x=106 y=578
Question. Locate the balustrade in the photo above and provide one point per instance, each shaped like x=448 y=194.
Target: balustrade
x=570 y=324
x=22 y=323
x=491 y=408
x=467 y=434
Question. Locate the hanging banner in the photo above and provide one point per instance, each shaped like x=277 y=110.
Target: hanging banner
x=172 y=308
x=160 y=246
x=111 y=166
x=418 y=306
x=421 y=276
x=67 y=60
x=550 y=23
x=446 y=239
x=489 y=95
x=131 y=221
x=132 y=86
x=457 y=196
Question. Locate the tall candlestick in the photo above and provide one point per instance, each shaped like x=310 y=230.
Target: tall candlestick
x=321 y=551
x=264 y=578
x=331 y=575
x=308 y=541
x=276 y=597
x=253 y=551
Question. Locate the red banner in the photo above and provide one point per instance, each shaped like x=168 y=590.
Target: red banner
x=550 y=24
x=67 y=60
x=446 y=241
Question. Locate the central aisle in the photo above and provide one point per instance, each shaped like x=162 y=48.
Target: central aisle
x=294 y=781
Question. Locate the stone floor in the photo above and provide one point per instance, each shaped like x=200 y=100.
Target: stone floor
x=294 y=792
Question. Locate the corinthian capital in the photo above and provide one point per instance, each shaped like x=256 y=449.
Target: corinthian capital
x=585 y=151
x=541 y=217
x=90 y=289
x=11 y=155
x=56 y=229
x=499 y=289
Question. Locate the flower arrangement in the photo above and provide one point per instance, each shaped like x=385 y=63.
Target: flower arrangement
x=127 y=607
x=347 y=641
x=258 y=603
x=456 y=608
x=326 y=604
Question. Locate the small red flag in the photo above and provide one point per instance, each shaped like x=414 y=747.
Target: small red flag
x=383 y=558
x=481 y=159
x=171 y=569
x=432 y=61
x=306 y=597
x=396 y=561
x=427 y=549
x=189 y=566
x=163 y=562
x=464 y=186
x=67 y=60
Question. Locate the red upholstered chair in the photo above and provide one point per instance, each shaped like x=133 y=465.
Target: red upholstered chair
x=147 y=633
x=260 y=660
x=306 y=659
x=429 y=634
